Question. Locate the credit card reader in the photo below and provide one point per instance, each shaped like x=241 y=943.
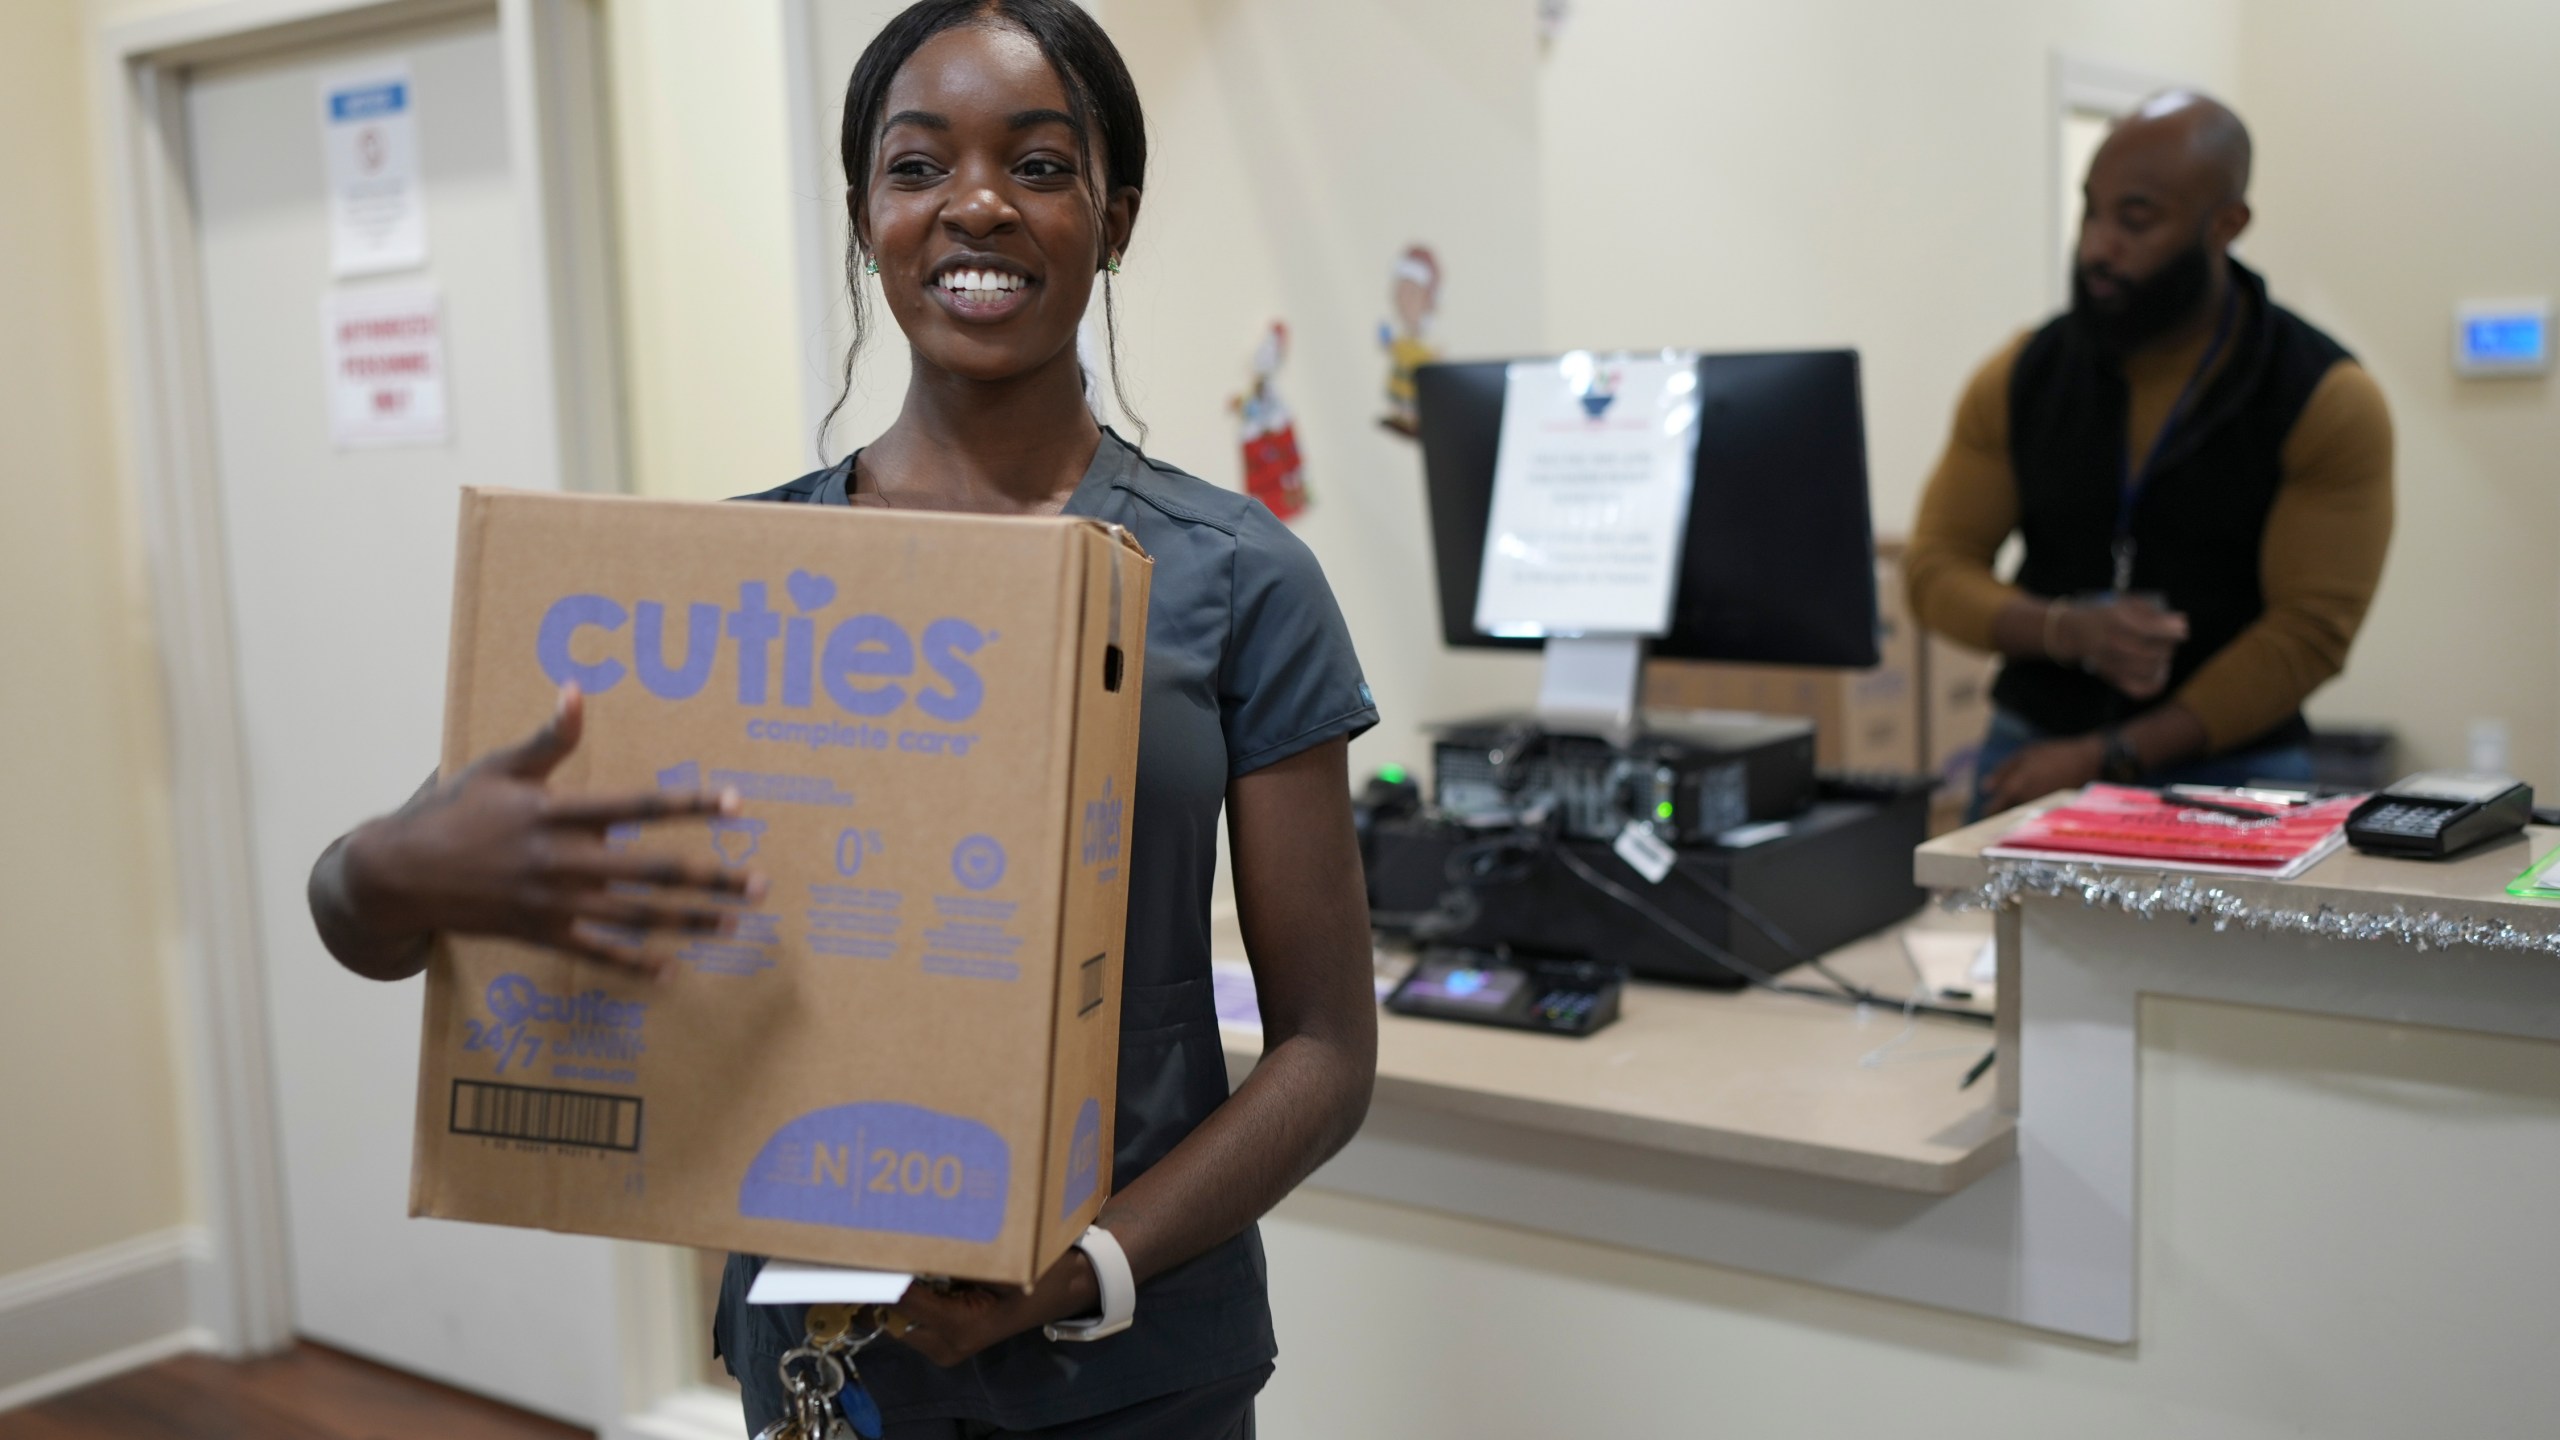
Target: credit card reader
x=1556 y=998
x=2440 y=813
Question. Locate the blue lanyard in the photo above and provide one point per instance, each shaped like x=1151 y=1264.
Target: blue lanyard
x=2129 y=482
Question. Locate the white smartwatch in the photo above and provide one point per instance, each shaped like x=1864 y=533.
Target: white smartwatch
x=1119 y=1290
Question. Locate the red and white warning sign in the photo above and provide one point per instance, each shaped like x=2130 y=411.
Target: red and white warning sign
x=385 y=349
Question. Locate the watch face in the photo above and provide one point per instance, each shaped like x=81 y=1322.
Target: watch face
x=2118 y=762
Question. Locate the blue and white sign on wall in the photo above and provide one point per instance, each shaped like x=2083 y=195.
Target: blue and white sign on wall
x=2502 y=337
x=369 y=134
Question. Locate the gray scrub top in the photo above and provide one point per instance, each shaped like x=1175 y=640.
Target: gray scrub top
x=1248 y=663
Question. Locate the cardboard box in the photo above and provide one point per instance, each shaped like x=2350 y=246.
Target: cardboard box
x=1865 y=720
x=904 y=1059
x=1958 y=685
x=1946 y=810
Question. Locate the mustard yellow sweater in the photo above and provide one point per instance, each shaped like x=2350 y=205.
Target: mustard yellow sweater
x=2319 y=561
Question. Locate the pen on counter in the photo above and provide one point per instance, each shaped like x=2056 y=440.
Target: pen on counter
x=1979 y=1067
x=2216 y=807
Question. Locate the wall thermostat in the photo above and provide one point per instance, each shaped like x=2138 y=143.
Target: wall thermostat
x=2502 y=337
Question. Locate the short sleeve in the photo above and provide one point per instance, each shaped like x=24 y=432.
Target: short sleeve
x=1290 y=680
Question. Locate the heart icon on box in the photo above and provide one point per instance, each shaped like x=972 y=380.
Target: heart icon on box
x=810 y=592
x=736 y=840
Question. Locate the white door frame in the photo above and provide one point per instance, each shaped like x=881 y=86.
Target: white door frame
x=240 y=1292
x=817 y=194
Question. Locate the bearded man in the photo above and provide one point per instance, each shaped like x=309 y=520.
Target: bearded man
x=2201 y=479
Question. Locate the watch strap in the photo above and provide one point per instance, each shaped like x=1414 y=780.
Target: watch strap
x=2117 y=762
x=1119 y=1288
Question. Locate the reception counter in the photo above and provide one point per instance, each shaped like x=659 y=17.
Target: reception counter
x=1835 y=1146
x=1751 y=1077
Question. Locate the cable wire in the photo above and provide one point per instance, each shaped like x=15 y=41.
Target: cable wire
x=1672 y=927
x=1750 y=915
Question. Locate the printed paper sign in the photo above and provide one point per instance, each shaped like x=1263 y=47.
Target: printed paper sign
x=385 y=349
x=369 y=131
x=1590 y=495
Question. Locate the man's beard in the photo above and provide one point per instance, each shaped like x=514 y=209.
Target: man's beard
x=2143 y=310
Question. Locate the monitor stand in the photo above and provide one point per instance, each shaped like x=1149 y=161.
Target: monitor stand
x=1592 y=683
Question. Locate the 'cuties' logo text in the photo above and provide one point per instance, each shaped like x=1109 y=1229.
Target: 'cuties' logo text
x=865 y=663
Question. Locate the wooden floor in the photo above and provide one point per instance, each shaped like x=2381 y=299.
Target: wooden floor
x=309 y=1393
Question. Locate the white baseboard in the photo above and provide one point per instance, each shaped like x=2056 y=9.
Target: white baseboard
x=698 y=1414
x=74 y=1321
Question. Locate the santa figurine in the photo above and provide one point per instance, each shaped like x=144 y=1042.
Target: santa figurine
x=1271 y=471
x=1415 y=292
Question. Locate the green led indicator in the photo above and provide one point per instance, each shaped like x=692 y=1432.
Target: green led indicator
x=1662 y=811
x=1392 y=774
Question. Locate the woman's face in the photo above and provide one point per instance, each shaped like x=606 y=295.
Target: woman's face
x=983 y=228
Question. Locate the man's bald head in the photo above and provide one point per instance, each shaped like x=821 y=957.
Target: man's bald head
x=2166 y=195
x=2203 y=130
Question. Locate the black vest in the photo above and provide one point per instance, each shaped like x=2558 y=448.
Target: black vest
x=2200 y=520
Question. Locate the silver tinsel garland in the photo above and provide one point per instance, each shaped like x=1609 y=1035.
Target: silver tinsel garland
x=2198 y=900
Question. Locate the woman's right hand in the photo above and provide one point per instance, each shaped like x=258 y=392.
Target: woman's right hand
x=495 y=851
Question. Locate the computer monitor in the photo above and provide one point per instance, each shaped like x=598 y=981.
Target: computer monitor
x=1778 y=566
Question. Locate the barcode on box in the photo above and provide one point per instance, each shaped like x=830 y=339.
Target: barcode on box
x=552 y=1117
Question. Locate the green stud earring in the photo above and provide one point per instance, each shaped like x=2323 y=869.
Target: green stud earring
x=870 y=267
x=1112 y=264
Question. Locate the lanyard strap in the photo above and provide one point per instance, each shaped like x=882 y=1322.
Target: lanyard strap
x=2131 y=482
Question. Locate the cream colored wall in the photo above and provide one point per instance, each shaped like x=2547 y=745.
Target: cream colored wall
x=1729 y=176
x=89 y=1124
x=2311 y=1265
x=1299 y=146
x=2405 y=159
x=702 y=176
x=1842 y=173
x=1793 y=173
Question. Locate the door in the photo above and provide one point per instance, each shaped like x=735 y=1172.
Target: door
x=340 y=568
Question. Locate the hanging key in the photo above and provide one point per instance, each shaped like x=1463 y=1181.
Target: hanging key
x=813 y=1414
x=829 y=1325
x=802 y=1419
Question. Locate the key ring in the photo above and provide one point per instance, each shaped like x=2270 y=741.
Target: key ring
x=830 y=1373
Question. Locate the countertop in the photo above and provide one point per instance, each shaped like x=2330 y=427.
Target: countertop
x=2473 y=884
x=1750 y=1076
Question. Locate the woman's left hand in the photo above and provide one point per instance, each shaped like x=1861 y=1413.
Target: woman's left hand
x=948 y=1326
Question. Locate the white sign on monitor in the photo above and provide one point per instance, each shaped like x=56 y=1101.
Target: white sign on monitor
x=1591 y=489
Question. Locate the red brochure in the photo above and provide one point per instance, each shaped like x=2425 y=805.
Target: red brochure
x=2165 y=831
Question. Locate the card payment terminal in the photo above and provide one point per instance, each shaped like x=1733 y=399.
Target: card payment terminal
x=2440 y=813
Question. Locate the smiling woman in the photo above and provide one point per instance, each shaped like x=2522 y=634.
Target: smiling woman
x=1067 y=168
x=994 y=155
x=994 y=152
